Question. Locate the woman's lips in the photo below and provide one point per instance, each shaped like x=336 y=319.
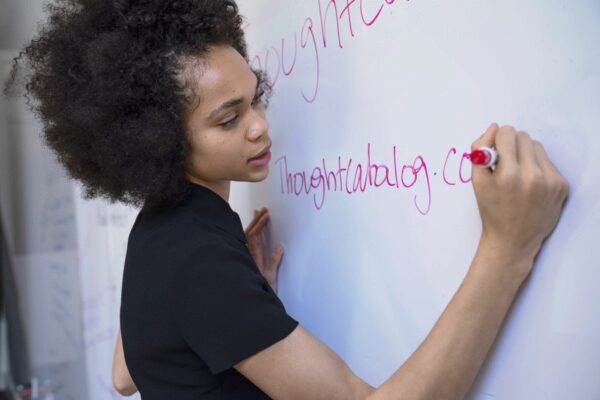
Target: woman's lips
x=262 y=159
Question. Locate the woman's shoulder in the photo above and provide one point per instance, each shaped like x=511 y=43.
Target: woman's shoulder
x=172 y=227
x=181 y=231
x=202 y=213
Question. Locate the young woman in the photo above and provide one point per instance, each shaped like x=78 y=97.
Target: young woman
x=153 y=103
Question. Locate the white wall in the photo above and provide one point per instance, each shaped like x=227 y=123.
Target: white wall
x=18 y=19
x=38 y=211
x=3 y=178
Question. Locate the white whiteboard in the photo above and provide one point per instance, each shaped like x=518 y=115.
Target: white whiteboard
x=370 y=272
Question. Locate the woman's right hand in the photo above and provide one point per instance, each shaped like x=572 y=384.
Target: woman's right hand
x=520 y=201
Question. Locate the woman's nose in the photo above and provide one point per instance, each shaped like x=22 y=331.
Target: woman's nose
x=259 y=126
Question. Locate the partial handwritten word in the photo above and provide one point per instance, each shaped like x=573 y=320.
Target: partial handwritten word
x=277 y=59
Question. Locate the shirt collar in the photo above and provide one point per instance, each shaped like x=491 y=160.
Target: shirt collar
x=212 y=208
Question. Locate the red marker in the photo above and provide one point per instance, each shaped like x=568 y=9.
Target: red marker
x=486 y=156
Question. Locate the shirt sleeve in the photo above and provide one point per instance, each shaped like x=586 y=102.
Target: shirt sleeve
x=225 y=308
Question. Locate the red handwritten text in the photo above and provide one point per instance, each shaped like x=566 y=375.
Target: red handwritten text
x=349 y=176
x=335 y=17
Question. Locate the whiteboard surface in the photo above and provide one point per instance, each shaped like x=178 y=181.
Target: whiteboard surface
x=369 y=269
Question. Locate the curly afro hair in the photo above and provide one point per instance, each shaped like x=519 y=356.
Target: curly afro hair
x=108 y=77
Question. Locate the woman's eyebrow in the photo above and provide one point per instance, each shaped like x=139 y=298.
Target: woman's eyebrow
x=232 y=102
x=226 y=105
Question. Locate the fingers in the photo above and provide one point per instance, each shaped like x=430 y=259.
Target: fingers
x=276 y=256
x=526 y=156
x=543 y=160
x=258 y=215
x=532 y=158
x=252 y=223
x=506 y=144
x=274 y=263
x=255 y=246
x=254 y=235
x=516 y=151
x=514 y=148
x=550 y=169
x=486 y=140
x=260 y=222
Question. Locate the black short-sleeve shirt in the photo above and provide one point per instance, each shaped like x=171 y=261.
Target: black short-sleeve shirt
x=194 y=302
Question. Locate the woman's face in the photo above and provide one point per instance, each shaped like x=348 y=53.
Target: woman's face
x=228 y=130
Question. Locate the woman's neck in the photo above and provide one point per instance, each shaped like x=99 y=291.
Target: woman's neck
x=219 y=187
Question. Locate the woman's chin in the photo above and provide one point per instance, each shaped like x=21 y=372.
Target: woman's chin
x=259 y=176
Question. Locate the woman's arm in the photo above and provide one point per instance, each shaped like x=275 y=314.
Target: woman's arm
x=121 y=378
x=446 y=363
x=519 y=202
x=301 y=367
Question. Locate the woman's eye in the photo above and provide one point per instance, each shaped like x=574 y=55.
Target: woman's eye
x=230 y=122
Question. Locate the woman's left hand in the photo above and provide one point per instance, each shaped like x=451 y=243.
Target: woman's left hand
x=268 y=267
